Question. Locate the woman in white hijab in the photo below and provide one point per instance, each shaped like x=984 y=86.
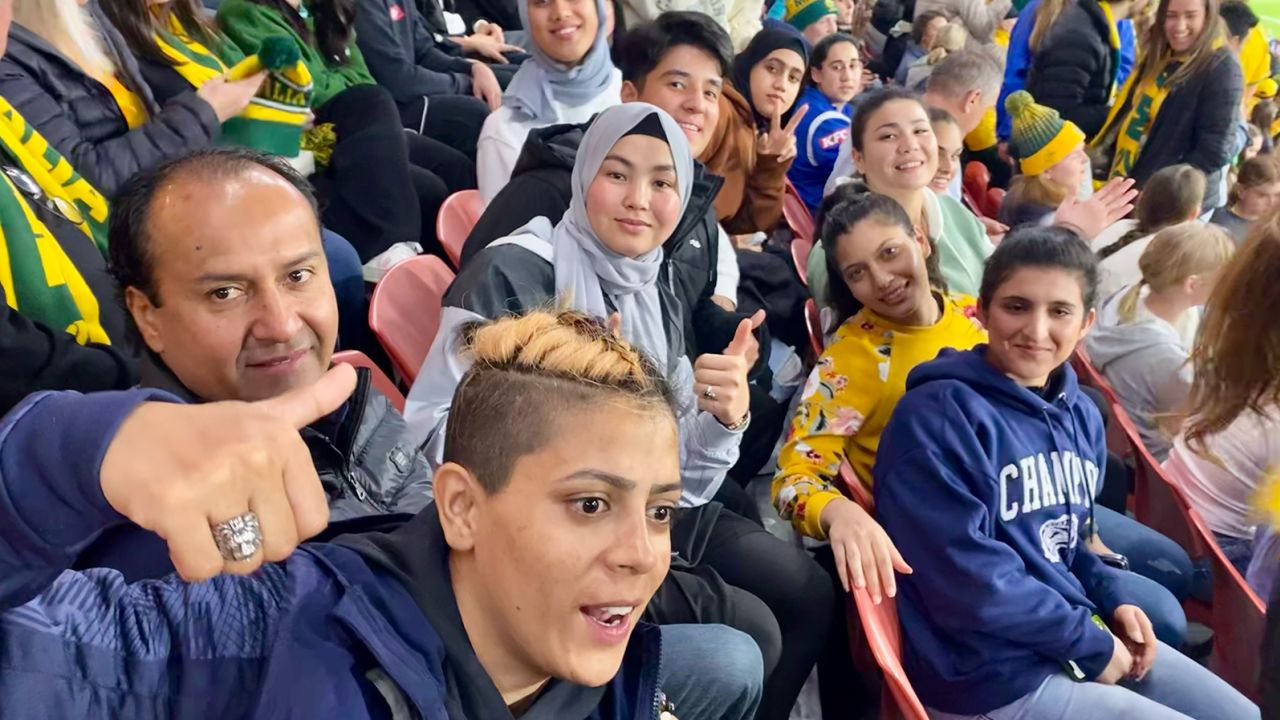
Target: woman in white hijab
x=568 y=79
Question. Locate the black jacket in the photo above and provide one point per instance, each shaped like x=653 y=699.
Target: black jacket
x=35 y=357
x=360 y=451
x=1075 y=67
x=540 y=186
x=403 y=55
x=1195 y=125
x=366 y=465
x=79 y=118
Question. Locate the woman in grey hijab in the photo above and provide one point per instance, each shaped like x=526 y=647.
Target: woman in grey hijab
x=569 y=78
x=631 y=180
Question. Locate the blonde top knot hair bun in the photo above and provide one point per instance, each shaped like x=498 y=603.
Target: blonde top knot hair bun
x=565 y=345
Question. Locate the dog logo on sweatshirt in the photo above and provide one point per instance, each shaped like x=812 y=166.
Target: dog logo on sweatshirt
x=1059 y=535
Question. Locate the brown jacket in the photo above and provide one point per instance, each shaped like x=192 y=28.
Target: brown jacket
x=751 y=198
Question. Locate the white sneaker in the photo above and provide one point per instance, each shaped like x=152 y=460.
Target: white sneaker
x=389 y=258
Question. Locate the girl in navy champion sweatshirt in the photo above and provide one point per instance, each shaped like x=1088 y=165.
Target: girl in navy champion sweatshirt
x=984 y=480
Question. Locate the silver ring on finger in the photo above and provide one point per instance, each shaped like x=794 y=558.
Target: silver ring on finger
x=709 y=393
x=239 y=538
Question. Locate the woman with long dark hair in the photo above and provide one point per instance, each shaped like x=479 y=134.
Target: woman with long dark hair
x=1180 y=104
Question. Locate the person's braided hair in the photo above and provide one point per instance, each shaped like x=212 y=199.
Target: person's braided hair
x=527 y=372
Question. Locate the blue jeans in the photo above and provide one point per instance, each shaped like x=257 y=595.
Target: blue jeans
x=1238 y=551
x=1176 y=688
x=711 y=672
x=1150 y=554
x=1161 y=572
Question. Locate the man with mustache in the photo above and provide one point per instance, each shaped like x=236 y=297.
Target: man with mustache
x=219 y=262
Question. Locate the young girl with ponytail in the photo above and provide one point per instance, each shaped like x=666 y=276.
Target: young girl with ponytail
x=1142 y=341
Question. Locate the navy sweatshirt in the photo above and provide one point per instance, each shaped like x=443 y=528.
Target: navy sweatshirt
x=986 y=488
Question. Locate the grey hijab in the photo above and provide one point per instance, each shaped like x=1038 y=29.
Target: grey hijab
x=541 y=79
x=586 y=271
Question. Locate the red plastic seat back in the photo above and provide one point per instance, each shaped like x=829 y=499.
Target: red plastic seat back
x=796 y=214
x=1239 y=615
x=995 y=199
x=458 y=215
x=404 y=312
x=813 y=323
x=381 y=382
x=884 y=637
x=976 y=179
x=801 y=248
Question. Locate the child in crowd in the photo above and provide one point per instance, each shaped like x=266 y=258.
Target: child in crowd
x=568 y=79
x=1173 y=196
x=1231 y=440
x=924 y=33
x=984 y=480
x=951 y=39
x=814 y=19
x=1142 y=341
x=835 y=78
x=632 y=179
x=1254 y=195
x=1051 y=158
x=519 y=590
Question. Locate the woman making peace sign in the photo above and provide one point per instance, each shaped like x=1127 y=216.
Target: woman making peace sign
x=751 y=147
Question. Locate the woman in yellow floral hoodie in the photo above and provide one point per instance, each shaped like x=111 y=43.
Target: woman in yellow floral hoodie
x=897 y=315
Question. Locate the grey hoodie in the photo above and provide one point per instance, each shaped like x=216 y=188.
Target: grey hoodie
x=1146 y=364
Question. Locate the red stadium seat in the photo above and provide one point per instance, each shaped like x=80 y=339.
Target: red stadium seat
x=1237 y=615
x=796 y=214
x=813 y=323
x=404 y=312
x=381 y=382
x=879 y=624
x=854 y=488
x=800 y=250
x=458 y=215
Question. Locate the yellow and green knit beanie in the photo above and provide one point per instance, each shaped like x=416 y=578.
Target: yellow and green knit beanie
x=803 y=13
x=1040 y=137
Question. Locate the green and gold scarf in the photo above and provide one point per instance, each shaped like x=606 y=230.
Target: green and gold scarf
x=274 y=120
x=38 y=278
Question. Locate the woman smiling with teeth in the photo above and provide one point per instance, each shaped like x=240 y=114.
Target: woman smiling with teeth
x=894 y=148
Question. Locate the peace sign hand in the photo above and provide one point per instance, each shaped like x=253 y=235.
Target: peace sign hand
x=780 y=140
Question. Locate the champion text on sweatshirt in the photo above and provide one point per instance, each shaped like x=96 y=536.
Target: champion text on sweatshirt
x=986 y=489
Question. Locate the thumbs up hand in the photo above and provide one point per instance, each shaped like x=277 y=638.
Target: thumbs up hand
x=720 y=381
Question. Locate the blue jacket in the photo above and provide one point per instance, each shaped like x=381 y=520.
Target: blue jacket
x=986 y=488
x=339 y=630
x=819 y=135
x=1018 y=61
